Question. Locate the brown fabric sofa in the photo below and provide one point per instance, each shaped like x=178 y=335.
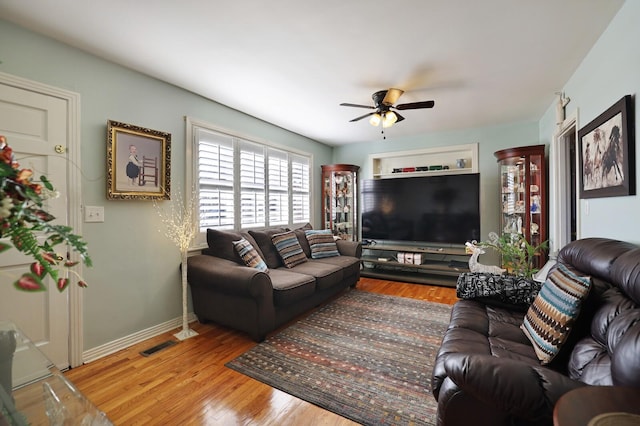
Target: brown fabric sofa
x=227 y=292
x=487 y=373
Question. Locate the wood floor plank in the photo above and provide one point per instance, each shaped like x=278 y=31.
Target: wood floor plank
x=188 y=384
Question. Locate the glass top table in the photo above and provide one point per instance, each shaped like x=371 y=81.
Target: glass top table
x=34 y=392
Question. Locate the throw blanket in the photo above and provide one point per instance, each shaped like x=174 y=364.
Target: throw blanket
x=504 y=288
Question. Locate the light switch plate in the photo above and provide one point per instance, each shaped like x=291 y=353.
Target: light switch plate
x=94 y=213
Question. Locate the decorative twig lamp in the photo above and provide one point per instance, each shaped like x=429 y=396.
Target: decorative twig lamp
x=179 y=226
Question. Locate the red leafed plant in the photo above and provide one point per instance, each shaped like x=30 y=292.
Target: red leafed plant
x=23 y=219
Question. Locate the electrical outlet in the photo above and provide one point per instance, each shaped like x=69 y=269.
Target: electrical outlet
x=94 y=213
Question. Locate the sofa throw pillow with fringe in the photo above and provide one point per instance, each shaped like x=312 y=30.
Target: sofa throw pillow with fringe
x=249 y=255
x=289 y=248
x=321 y=243
x=553 y=312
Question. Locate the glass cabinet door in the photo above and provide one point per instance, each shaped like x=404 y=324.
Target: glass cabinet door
x=523 y=209
x=339 y=200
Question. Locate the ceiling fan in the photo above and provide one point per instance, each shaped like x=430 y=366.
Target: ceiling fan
x=384 y=101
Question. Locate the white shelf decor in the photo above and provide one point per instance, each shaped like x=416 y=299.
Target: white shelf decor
x=445 y=160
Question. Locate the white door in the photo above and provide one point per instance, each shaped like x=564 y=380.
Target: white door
x=34 y=123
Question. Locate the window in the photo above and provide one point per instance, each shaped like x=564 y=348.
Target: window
x=300 y=206
x=242 y=183
x=278 y=187
x=215 y=180
x=252 y=185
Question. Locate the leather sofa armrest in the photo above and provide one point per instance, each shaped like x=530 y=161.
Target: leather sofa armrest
x=227 y=276
x=523 y=390
x=349 y=248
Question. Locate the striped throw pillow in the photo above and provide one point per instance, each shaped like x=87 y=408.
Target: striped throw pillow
x=322 y=243
x=289 y=248
x=553 y=312
x=249 y=255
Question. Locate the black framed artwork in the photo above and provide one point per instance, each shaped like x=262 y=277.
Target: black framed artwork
x=607 y=153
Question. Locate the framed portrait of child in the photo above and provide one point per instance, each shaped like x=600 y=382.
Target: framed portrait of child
x=138 y=162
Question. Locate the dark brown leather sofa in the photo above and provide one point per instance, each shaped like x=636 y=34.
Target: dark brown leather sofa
x=486 y=371
x=227 y=292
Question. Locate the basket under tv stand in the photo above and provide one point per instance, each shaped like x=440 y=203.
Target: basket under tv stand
x=440 y=264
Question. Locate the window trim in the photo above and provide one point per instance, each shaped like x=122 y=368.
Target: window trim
x=191 y=158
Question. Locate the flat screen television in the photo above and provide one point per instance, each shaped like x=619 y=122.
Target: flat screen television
x=429 y=209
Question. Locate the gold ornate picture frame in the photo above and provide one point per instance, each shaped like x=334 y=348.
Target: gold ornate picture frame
x=138 y=163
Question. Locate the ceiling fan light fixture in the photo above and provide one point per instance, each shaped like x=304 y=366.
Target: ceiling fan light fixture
x=389 y=119
x=383 y=102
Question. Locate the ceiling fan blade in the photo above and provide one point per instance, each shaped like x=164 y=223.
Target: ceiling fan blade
x=357 y=105
x=400 y=118
x=416 y=105
x=361 y=117
x=392 y=96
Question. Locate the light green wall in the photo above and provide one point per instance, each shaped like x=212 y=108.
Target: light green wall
x=610 y=71
x=134 y=283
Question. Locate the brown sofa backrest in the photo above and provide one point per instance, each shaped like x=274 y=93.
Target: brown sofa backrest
x=604 y=345
x=220 y=243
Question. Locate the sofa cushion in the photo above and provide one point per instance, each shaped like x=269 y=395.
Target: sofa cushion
x=479 y=329
x=221 y=244
x=302 y=238
x=322 y=243
x=550 y=317
x=289 y=249
x=250 y=255
x=265 y=245
x=349 y=264
x=290 y=287
x=326 y=275
x=609 y=355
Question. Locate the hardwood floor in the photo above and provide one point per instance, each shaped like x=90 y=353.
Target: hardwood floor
x=188 y=384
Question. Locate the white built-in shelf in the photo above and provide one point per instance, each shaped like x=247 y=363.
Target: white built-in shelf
x=384 y=163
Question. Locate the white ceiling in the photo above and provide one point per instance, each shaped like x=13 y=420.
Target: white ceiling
x=292 y=62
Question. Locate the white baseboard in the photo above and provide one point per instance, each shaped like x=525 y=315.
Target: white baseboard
x=124 y=342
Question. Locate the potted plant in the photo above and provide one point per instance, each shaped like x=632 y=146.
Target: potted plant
x=516 y=252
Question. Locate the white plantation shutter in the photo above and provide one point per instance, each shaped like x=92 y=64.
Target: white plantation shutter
x=278 y=187
x=252 y=185
x=243 y=184
x=215 y=180
x=300 y=189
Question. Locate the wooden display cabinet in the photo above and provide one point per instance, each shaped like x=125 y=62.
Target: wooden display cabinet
x=523 y=195
x=340 y=200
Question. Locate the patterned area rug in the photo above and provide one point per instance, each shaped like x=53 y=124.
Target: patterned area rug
x=365 y=356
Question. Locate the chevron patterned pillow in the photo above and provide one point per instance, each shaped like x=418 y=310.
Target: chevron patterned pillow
x=553 y=312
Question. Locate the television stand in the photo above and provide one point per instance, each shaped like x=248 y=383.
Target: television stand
x=438 y=264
